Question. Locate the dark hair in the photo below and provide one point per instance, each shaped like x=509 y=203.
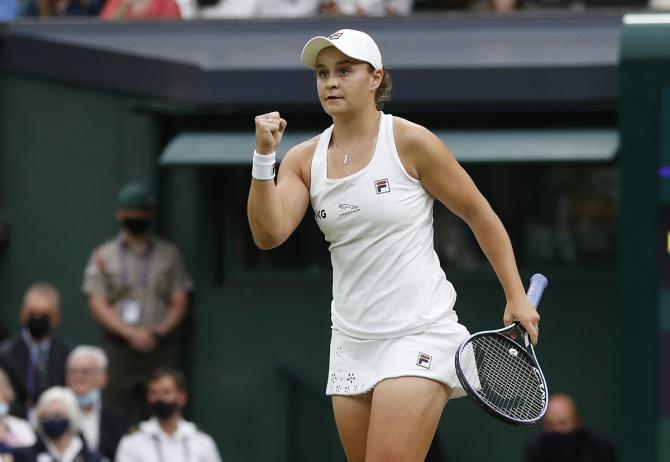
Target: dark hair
x=383 y=92
x=175 y=375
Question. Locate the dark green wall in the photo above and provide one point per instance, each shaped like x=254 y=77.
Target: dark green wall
x=66 y=150
x=644 y=75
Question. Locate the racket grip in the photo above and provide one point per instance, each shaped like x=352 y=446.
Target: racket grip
x=537 y=285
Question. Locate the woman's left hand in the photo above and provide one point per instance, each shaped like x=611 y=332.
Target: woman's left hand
x=522 y=311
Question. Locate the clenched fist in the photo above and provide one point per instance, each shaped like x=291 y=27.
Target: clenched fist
x=269 y=130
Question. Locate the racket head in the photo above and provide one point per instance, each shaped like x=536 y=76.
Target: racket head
x=502 y=376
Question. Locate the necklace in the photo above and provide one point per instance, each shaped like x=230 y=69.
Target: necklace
x=347 y=154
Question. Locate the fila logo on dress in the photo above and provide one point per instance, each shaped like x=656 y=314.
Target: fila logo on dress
x=382 y=186
x=424 y=360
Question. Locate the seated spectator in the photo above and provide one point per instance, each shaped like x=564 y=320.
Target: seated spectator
x=167 y=432
x=289 y=8
x=564 y=439
x=34 y=359
x=14 y=432
x=239 y=9
x=140 y=9
x=102 y=425
x=231 y=9
x=367 y=7
x=57 y=417
x=62 y=8
x=9 y=10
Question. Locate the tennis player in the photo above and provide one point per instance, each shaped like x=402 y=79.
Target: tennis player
x=371 y=179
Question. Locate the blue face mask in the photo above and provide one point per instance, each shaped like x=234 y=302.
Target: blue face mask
x=89 y=398
x=4 y=409
x=55 y=427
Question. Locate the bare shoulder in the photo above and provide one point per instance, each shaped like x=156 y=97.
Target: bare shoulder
x=416 y=145
x=408 y=134
x=298 y=159
x=302 y=152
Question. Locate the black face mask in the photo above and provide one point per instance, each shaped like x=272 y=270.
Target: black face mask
x=55 y=427
x=136 y=226
x=38 y=326
x=163 y=409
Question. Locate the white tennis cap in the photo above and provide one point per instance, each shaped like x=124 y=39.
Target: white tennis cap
x=353 y=43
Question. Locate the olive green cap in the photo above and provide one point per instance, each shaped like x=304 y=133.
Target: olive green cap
x=134 y=196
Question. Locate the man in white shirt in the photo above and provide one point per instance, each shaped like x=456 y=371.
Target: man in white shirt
x=167 y=437
x=102 y=425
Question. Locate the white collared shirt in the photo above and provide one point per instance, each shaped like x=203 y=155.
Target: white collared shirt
x=152 y=444
x=69 y=454
x=90 y=425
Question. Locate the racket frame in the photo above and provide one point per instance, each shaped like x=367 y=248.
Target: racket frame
x=474 y=394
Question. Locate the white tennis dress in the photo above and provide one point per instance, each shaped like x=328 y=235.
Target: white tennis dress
x=392 y=308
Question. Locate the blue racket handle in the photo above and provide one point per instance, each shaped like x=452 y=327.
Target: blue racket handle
x=537 y=285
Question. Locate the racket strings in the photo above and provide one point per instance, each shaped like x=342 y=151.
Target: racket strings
x=508 y=386
x=504 y=376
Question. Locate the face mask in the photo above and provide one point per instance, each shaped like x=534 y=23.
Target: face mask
x=38 y=326
x=89 y=398
x=55 y=427
x=163 y=409
x=136 y=226
x=4 y=409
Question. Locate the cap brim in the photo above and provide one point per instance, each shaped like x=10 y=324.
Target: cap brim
x=312 y=49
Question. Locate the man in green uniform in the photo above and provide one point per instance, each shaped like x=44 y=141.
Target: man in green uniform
x=137 y=288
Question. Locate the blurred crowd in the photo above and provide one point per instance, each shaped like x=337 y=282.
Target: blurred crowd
x=240 y=9
x=62 y=402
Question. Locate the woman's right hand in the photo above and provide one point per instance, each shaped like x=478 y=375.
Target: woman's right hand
x=269 y=130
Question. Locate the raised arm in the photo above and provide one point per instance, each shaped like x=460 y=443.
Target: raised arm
x=275 y=210
x=429 y=160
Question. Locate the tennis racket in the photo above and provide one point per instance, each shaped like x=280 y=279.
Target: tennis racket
x=500 y=372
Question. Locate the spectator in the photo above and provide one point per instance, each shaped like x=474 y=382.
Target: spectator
x=57 y=417
x=137 y=288
x=9 y=10
x=564 y=439
x=34 y=359
x=14 y=432
x=238 y=9
x=167 y=432
x=62 y=8
x=231 y=9
x=367 y=7
x=102 y=425
x=659 y=4
x=140 y=9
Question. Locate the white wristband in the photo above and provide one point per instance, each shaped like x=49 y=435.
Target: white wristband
x=263 y=166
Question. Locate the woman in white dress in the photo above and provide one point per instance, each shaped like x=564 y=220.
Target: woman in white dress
x=371 y=179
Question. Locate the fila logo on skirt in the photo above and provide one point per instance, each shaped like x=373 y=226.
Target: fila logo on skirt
x=424 y=360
